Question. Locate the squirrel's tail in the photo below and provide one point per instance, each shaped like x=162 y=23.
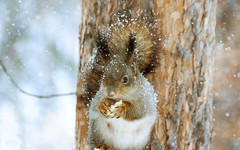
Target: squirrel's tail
x=147 y=41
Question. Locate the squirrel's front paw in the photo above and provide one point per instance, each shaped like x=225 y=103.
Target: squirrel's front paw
x=109 y=108
x=105 y=105
x=118 y=110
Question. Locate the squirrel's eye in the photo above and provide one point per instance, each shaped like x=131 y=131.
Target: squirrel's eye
x=125 y=79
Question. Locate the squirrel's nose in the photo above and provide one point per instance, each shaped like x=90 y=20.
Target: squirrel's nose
x=110 y=93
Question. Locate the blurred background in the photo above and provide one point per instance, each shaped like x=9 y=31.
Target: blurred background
x=226 y=135
x=39 y=47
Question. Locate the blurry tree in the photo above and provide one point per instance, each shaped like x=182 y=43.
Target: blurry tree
x=184 y=78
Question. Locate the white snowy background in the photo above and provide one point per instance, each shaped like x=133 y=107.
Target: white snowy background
x=39 y=47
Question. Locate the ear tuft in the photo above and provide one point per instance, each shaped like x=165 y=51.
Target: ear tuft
x=130 y=50
x=102 y=45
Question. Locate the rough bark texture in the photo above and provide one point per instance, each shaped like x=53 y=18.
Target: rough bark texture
x=184 y=78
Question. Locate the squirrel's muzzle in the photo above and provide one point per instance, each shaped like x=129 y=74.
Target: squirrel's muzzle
x=110 y=93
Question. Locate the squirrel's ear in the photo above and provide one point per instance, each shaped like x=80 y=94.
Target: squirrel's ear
x=102 y=46
x=130 y=50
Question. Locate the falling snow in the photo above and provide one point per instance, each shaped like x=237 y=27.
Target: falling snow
x=40 y=50
x=39 y=46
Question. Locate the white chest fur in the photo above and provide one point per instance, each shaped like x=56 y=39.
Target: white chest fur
x=122 y=134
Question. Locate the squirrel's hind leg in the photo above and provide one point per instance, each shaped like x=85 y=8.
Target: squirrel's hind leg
x=103 y=147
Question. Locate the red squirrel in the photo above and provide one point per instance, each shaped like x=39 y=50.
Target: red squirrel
x=123 y=108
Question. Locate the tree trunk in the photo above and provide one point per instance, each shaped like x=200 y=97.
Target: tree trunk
x=184 y=78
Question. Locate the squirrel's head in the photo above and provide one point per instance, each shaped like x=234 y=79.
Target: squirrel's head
x=121 y=73
x=120 y=78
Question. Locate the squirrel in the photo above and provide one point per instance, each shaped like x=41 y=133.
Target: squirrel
x=124 y=108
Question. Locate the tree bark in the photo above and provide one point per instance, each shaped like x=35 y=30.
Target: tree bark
x=184 y=78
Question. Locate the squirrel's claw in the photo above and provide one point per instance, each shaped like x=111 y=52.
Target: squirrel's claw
x=103 y=147
x=104 y=106
x=119 y=111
